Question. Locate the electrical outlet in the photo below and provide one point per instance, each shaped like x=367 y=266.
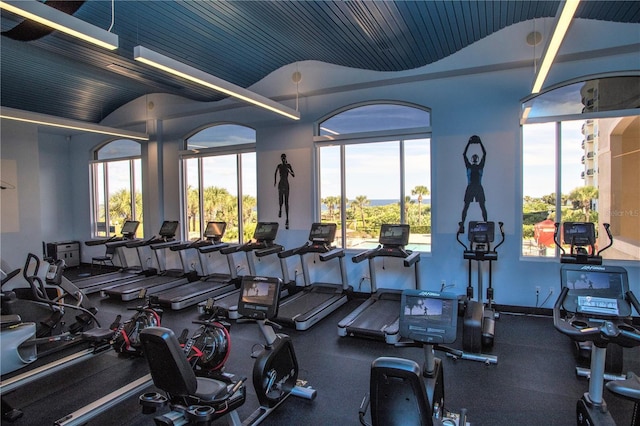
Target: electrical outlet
x=537 y=290
x=550 y=290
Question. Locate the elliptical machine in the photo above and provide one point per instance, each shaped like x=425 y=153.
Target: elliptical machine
x=479 y=318
x=401 y=392
x=595 y=306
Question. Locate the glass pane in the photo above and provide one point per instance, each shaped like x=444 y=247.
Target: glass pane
x=192 y=197
x=538 y=189
x=597 y=95
x=373 y=191
x=119 y=187
x=220 y=192
x=119 y=149
x=99 y=200
x=249 y=195
x=612 y=165
x=222 y=135
x=371 y=118
x=330 y=191
x=417 y=206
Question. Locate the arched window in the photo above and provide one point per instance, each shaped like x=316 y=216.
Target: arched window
x=219 y=181
x=374 y=167
x=116 y=179
x=581 y=162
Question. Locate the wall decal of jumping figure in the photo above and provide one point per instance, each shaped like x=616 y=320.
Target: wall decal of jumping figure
x=475 y=168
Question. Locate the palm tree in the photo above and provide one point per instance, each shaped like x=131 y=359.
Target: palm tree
x=407 y=202
x=331 y=202
x=119 y=207
x=420 y=190
x=193 y=206
x=360 y=203
x=582 y=198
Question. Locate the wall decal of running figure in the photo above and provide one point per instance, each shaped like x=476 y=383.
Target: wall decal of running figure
x=284 y=169
x=475 y=168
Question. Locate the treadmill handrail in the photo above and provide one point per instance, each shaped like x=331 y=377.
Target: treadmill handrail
x=412 y=259
x=365 y=254
x=269 y=250
x=336 y=252
x=290 y=252
x=164 y=245
x=213 y=247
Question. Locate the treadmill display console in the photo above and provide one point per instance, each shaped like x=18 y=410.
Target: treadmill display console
x=215 y=230
x=394 y=235
x=169 y=228
x=259 y=297
x=481 y=232
x=322 y=232
x=428 y=316
x=266 y=231
x=129 y=228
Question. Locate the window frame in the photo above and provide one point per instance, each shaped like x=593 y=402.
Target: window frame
x=93 y=176
x=399 y=136
x=557 y=121
x=186 y=154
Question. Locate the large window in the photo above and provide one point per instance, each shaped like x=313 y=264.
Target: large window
x=117 y=187
x=581 y=162
x=375 y=168
x=219 y=176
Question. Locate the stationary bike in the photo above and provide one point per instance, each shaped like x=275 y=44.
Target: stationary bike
x=594 y=306
x=479 y=318
x=581 y=237
x=403 y=393
x=275 y=371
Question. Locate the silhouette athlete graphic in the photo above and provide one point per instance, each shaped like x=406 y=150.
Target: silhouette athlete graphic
x=475 y=167
x=284 y=169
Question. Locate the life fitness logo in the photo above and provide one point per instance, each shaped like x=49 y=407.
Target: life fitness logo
x=429 y=293
x=593 y=268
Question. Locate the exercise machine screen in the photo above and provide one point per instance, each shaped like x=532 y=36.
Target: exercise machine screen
x=428 y=316
x=322 y=232
x=481 y=232
x=266 y=231
x=215 y=230
x=129 y=228
x=169 y=228
x=595 y=289
x=394 y=235
x=579 y=233
x=259 y=297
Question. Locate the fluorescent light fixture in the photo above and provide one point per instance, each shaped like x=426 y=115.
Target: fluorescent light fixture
x=562 y=25
x=51 y=17
x=179 y=69
x=65 y=123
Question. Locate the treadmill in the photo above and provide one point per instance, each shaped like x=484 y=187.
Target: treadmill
x=261 y=245
x=209 y=285
x=378 y=317
x=115 y=245
x=165 y=279
x=316 y=300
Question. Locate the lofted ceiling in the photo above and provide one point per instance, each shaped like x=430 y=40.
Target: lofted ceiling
x=242 y=42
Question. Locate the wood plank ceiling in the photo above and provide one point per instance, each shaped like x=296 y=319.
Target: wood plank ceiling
x=243 y=41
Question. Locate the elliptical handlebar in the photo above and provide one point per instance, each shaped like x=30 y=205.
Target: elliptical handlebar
x=460 y=232
x=608 y=231
x=500 y=225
